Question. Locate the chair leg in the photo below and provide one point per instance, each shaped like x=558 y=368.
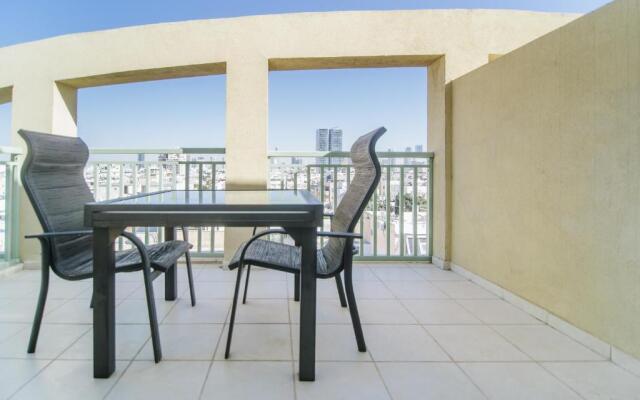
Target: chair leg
x=343 y=300
x=192 y=290
x=296 y=287
x=91 y=303
x=233 y=311
x=246 y=285
x=42 y=299
x=153 y=319
x=353 y=309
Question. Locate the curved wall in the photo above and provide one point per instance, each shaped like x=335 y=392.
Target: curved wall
x=42 y=77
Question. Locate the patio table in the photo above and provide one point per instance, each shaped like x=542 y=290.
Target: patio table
x=296 y=211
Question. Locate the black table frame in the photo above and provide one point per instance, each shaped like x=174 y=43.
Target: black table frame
x=109 y=218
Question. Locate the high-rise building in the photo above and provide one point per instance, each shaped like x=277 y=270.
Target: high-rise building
x=419 y=148
x=328 y=140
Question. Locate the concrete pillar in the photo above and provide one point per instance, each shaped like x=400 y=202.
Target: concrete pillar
x=45 y=106
x=247 y=165
x=439 y=142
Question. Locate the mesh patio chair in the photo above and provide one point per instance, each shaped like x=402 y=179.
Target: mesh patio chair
x=53 y=178
x=336 y=256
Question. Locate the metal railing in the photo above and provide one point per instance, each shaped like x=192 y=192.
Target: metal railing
x=8 y=205
x=184 y=169
x=396 y=224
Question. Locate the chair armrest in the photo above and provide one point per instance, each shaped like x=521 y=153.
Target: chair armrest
x=142 y=249
x=45 y=235
x=255 y=237
x=185 y=233
x=346 y=235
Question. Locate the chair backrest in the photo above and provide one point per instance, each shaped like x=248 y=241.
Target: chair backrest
x=53 y=178
x=365 y=181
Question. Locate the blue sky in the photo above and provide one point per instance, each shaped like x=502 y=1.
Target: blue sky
x=190 y=112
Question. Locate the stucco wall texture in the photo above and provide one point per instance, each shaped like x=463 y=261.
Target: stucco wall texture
x=545 y=161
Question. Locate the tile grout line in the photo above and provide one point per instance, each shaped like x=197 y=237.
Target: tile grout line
x=215 y=350
x=135 y=356
x=57 y=357
x=32 y=378
x=562 y=382
x=442 y=347
x=539 y=363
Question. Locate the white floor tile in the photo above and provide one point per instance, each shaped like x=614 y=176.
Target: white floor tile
x=61 y=289
x=525 y=381
x=496 y=311
x=124 y=289
x=134 y=311
x=185 y=342
x=544 y=343
x=415 y=290
x=207 y=311
x=52 y=341
x=325 y=289
x=384 y=312
x=264 y=275
x=402 y=343
x=264 y=311
x=389 y=274
x=24 y=310
x=72 y=312
x=129 y=341
x=166 y=380
x=416 y=320
x=474 y=343
x=440 y=312
x=369 y=290
x=236 y=380
x=212 y=290
x=257 y=342
x=333 y=343
x=597 y=380
x=8 y=329
x=432 y=273
x=158 y=288
x=363 y=273
x=464 y=290
x=216 y=274
x=343 y=380
x=16 y=289
x=428 y=381
x=16 y=373
x=267 y=289
x=327 y=312
x=67 y=379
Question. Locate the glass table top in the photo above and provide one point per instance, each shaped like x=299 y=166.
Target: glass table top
x=219 y=197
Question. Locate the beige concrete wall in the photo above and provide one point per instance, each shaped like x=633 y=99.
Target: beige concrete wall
x=545 y=161
x=246 y=48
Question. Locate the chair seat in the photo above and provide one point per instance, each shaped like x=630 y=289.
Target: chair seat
x=162 y=256
x=274 y=255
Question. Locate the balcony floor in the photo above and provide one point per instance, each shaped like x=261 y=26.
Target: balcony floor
x=431 y=334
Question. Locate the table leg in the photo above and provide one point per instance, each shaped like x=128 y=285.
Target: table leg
x=306 y=238
x=104 y=302
x=171 y=276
